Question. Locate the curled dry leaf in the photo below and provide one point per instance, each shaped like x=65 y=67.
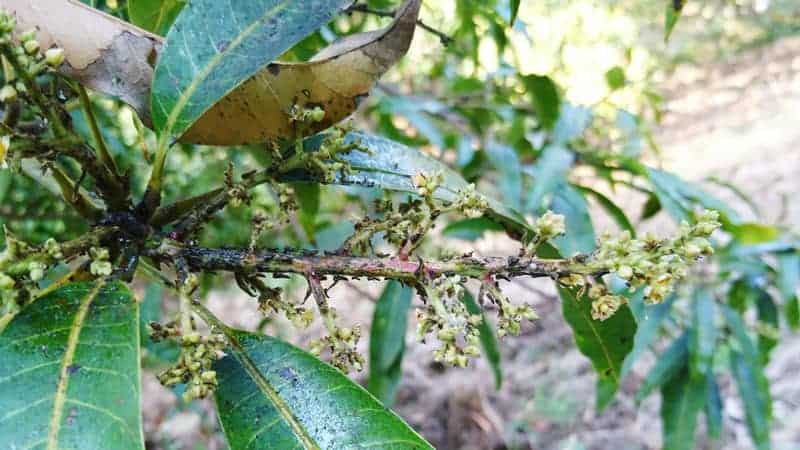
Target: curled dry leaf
x=117 y=58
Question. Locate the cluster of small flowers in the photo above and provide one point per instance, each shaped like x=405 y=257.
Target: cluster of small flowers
x=27 y=54
x=604 y=303
x=548 y=226
x=446 y=315
x=342 y=344
x=327 y=161
x=101 y=266
x=471 y=203
x=300 y=114
x=237 y=193
x=657 y=263
x=270 y=300
x=510 y=315
x=193 y=367
x=13 y=259
x=427 y=183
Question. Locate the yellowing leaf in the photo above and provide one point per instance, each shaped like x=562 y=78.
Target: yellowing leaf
x=117 y=58
x=336 y=80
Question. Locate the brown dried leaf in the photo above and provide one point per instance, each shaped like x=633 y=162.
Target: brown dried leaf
x=102 y=52
x=116 y=58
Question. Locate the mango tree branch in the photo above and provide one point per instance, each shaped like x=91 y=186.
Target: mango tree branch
x=200 y=259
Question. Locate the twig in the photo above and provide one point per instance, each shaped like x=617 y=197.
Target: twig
x=102 y=148
x=445 y=39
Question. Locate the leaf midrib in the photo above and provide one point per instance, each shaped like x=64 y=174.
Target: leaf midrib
x=214 y=62
x=264 y=386
x=59 y=399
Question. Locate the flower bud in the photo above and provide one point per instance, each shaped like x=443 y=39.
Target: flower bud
x=31 y=47
x=8 y=94
x=27 y=36
x=54 y=57
x=6 y=282
x=625 y=272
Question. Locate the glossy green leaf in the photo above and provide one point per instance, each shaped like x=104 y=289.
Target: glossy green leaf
x=387 y=341
x=788 y=281
x=616 y=213
x=70 y=372
x=669 y=363
x=470 y=229
x=674 y=10
x=274 y=395
x=391 y=165
x=491 y=349
x=713 y=407
x=543 y=93
x=154 y=15
x=615 y=78
x=647 y=330
x=682 y=398
x=703 y=334
x=605 y=343
x=547 y=173
x=214 y=46
x=756 y=403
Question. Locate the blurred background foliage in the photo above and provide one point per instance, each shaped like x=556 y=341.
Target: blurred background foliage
x=554 y=110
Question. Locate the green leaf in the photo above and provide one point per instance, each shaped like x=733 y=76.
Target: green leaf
x=788 y=282
x=611 y=208
x=70 y=371
x=391 y=165
x=387 y=341
x=755 y=233
x=682 y=398
x=741 y=339
x=678 y=198
x=713 y=407
x=514 y=11
x=572 y=122
x=470 y=229
x=5 y=184
x=605 y=343
x=154 y=15
x=488 y=337
x=213 y=47
x=543 y=93
x=767 y=315
x=703 y=334
x=669 y=363
x=651 y=207
x=308 y=195
x=548 y=172
x=580 y=237
x=749 y=381
x=674 y=9
x=615 y=78
x=647 y=329
x=504 y=158
x=274 y=395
